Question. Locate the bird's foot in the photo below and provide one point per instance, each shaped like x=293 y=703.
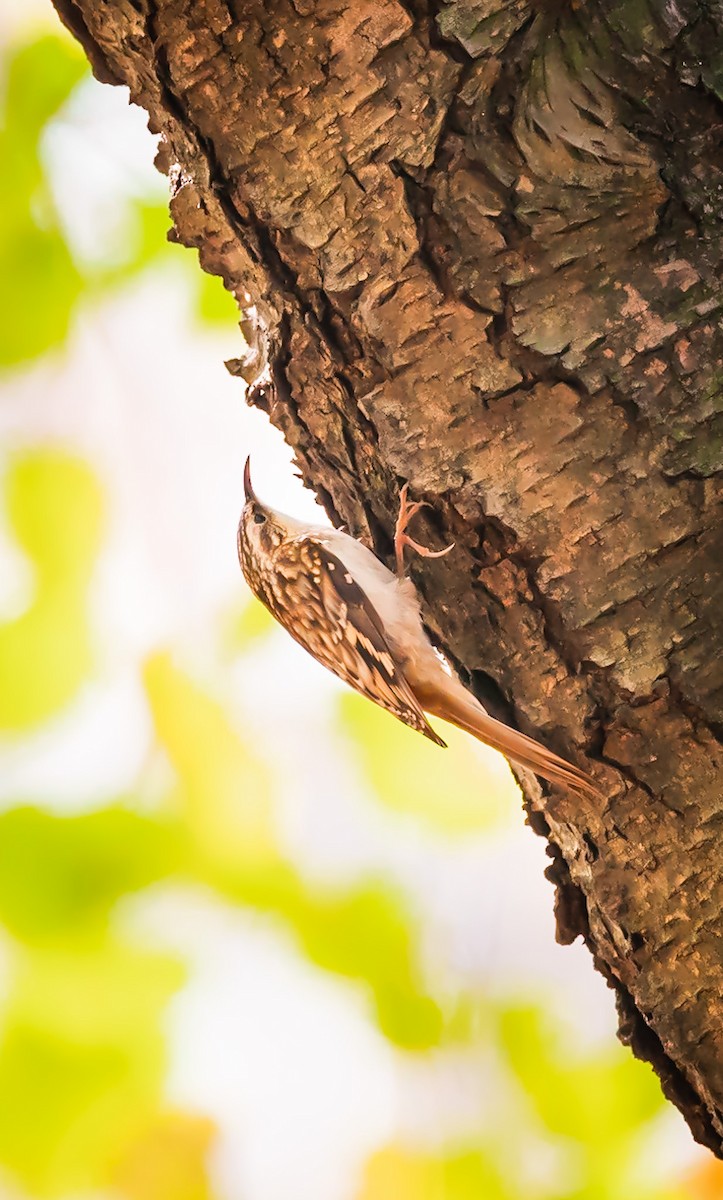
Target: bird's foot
x=402 y=538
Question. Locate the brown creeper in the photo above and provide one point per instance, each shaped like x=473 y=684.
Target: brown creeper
x=357 y=618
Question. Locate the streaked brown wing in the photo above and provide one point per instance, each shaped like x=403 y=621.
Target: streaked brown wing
x=333 y=618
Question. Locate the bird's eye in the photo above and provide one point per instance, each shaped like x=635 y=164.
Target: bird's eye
x=259 y=518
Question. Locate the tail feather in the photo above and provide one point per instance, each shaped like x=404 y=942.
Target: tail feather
x=464 y=711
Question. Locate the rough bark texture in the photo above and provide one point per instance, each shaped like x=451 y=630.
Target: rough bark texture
x=479 y=248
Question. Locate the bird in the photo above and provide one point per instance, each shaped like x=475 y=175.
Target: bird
x=364 y=623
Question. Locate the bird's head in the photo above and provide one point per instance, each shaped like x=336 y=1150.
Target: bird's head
x=260 y=532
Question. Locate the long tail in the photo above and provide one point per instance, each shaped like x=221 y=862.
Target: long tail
x=461 y=709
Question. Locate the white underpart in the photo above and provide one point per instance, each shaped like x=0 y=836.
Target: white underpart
x=395 y=600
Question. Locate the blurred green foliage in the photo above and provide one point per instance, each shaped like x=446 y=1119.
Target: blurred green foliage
x=46 y=283
x=83 y=1054
x=396 y=1173
x=224 y=797
x=411 y=775
x=61 y=876
x=48 y=280
x=82 y=1060
x=600 y=1101
x=54 y=508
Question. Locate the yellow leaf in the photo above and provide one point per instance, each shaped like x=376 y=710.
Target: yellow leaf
x=395 y=1174
x=167 y=1161
x=224 y=791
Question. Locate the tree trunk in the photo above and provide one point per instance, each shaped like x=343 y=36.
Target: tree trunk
x=478 y=245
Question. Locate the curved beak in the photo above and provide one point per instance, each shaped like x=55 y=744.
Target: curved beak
x=248 y=490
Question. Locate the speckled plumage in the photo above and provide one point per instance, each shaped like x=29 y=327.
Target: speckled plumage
x=364 y=623
x=311 y=593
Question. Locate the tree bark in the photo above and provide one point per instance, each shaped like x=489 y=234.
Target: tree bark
x=478 y=247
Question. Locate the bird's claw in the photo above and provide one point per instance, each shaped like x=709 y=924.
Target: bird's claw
x=402 y=538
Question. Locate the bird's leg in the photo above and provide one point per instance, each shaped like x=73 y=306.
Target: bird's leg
x=402 y=538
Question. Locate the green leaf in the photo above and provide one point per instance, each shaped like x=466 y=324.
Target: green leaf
x=459 y=790
x=601 y=1102
x=60 y=876
x=35 y=311
x=82 y=1060
x=216 y=305
x=366 y=934
x=40 y=76
x=55 y=510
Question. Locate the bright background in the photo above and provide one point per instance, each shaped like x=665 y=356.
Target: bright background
x=257 y=940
